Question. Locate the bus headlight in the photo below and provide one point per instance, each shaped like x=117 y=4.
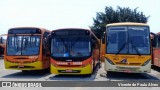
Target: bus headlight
x=109 y=61
x=145 y=63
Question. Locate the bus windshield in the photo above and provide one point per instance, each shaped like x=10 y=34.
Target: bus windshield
x=128 y=40
x=23 y=45
x=70 y=46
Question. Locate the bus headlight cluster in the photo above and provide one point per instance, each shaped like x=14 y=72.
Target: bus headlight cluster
x=109 y=61
x=145 y=63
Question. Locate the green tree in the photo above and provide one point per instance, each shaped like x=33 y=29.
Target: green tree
x=121 y=14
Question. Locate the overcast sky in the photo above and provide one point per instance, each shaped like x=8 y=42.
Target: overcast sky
x=54 y=14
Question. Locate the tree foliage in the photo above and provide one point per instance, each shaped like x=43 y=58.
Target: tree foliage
x=121 y=14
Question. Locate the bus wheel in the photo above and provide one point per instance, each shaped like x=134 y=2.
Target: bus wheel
x=109 y=73
x=93 y=66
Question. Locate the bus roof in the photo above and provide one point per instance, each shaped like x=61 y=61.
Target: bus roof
x=70 y=29
x=75 y=29
x=42 y=29
x=64 y=29
x=127 y=23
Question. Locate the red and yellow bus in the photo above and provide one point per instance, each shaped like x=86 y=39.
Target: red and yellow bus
x=74 y=51
x=26 y=49
x=128 y=48
x=156 y=49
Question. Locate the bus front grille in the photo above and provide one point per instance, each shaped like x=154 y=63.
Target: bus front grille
x=22 y=67
x=65 y=71
x=121 y=63
x=128 y=68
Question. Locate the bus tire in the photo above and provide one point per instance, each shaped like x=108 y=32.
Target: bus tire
x=109 y=73
x=93 y=67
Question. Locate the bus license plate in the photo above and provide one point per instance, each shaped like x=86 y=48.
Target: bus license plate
x=127 y=71
x=20 y=66
x=68 y=70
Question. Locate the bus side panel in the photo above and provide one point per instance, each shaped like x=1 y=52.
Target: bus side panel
x=156 y=57
x=46 y=60
x=45 y=57
x=45 y=51
x=103 y=52
x=95 y=56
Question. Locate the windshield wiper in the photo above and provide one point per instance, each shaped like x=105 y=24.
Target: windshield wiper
x=24 y=43
x=135 y=48
x=121 y=48
x=132 y=45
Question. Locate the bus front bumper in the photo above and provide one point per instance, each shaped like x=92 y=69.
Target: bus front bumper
x=128 y=69
x=25 y=66
x=70 y=70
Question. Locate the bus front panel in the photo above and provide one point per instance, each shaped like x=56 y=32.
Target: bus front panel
x=23 y=49
x=71 y=52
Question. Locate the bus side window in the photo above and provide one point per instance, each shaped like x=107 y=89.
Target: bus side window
x=49 y=41
x=158 y=41
x=45 y=39
x=93 y=43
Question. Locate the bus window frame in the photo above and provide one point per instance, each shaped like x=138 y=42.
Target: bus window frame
x=126 y=26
